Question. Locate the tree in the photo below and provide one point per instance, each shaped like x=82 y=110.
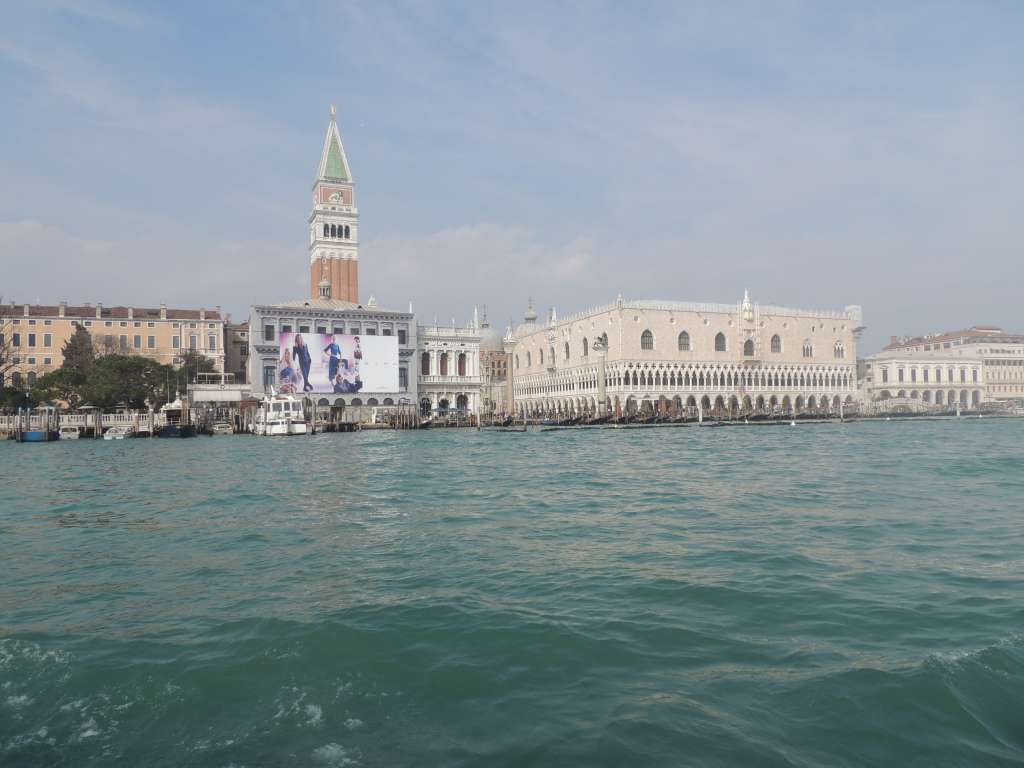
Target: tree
x=7 y=350
x=135 y=382
x=64 y=385
x=12 y=398
x=194 y=362
x=78 y=352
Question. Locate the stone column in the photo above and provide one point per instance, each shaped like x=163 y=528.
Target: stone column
x=602 y=394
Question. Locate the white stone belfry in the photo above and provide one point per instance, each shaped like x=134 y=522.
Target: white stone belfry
x=334 y=224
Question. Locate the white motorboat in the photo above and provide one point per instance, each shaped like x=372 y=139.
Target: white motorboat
x=118 y=432
x=70 y=433
x=279 y=415
x=221 y=428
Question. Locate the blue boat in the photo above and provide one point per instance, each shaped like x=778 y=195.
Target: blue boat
x=45 y=428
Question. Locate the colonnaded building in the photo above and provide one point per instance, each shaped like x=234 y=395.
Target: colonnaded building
x=965 y=369
x=664 y=356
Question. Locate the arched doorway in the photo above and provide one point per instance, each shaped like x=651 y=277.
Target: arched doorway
x=442 y=406
x=462 y=401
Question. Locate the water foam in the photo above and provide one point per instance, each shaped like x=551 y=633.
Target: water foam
x=334 y=755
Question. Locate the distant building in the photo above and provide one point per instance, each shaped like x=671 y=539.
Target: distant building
x=324 y=317
x=449 y=379
x=495 y=395
x=966 y=368
x=938 y=377
x=663 y=356
x=334 y=225
x=37 y=334
x=345 y=363
x=236 y=350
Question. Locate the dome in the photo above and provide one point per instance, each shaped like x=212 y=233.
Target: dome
x=490 y=340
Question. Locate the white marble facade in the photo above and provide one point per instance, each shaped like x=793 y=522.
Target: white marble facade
x=664 y=356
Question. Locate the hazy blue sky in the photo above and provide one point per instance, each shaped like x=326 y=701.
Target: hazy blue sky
x=819 y=154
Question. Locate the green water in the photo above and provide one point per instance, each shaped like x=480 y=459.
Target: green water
x=813 y=595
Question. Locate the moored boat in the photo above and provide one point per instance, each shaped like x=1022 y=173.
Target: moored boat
x=37 y=425
x=118 y=432
x=279 y=415
x=69 y=432
x=176 y=423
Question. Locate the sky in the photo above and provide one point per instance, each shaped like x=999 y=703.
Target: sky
x=816 y=154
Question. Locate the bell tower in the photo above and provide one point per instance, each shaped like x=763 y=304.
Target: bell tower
x=334 y=224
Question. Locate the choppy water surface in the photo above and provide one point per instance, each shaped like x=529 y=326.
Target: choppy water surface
x=840 y=595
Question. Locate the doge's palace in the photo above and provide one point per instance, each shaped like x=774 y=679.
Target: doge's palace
x=662 y=357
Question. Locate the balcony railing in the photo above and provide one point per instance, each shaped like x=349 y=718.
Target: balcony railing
x=450 y=379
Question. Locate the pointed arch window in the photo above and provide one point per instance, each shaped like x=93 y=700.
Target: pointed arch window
x=462 y=364
x=748 y=348
x=839 y=351
x=586 y=347
x=567 y=350
x=808 y=349
x=776 y=344
x=647 y=340
x=684 y=342
x=529 y=361
x=348 y=234
x=720 y=342
x=444 y=364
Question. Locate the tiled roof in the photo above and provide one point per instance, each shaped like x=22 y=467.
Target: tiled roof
x=88 y=312
x=979 y=333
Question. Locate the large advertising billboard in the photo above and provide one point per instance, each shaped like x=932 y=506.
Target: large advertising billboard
x=334 y=363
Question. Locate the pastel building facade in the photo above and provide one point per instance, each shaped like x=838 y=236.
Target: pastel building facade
x=663 y=356
x=35 y=334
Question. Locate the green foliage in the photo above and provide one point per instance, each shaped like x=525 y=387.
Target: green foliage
x=12 y=398
x=195 y=362
x=61 y=386
x=136 y=382
x=78 y=352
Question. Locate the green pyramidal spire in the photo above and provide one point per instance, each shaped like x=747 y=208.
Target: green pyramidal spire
x=333 y=163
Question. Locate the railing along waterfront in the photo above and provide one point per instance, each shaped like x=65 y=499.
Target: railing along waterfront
x=89 y=421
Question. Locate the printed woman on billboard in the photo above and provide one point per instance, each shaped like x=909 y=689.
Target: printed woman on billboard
x=300 y=352
x=286 y=374
x=334 y=351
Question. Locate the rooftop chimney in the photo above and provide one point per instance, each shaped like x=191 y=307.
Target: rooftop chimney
x=62 y=310
x=131 y=313
x=99 y=309
x=202 y=313
x=163 y=311
x=26 y=310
